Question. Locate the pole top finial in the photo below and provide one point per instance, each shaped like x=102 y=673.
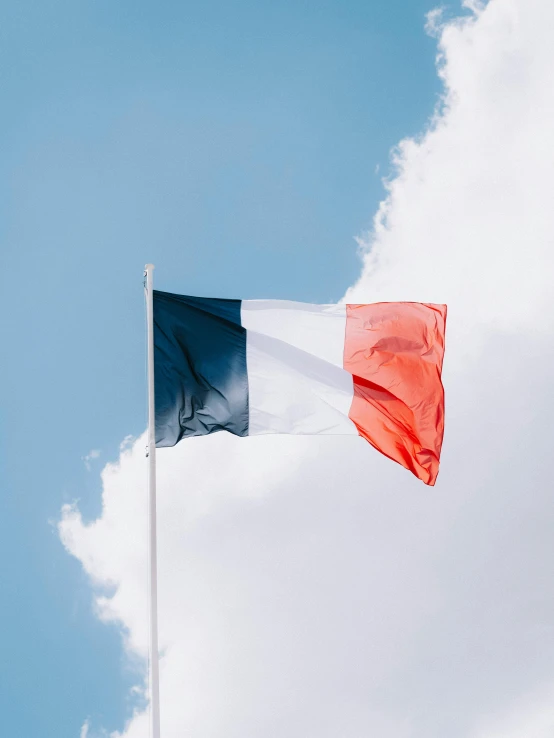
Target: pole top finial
x=148 y=267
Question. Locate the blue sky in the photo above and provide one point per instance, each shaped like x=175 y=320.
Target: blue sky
x=234 y=145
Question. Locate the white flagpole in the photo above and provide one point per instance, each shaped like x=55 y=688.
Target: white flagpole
x=154 y=673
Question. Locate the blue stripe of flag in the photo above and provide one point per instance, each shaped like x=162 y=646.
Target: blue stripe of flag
x=201 y=382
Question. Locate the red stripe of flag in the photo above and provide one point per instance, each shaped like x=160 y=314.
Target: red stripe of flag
x=395 y=350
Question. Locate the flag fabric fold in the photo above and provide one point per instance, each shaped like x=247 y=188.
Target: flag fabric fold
x=252 y=367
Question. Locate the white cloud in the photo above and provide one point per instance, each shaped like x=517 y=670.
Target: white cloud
x=532 y=716
x=309 y=586
x=91 y=456
x=84 y=729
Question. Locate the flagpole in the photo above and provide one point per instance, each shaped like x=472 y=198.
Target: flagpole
x=154 y=673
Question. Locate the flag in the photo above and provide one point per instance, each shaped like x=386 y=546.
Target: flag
x=252 y=367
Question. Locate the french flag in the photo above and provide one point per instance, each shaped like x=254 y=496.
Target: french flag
x=271 y=366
